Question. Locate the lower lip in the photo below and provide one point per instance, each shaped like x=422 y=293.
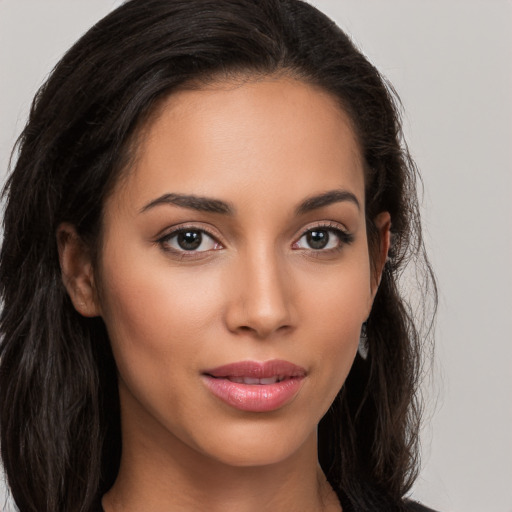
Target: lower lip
x=254 y=398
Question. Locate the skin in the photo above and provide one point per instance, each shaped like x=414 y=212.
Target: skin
x=256 y=290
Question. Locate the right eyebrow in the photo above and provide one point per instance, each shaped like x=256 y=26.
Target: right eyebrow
x=326 y=199
x=192 y=202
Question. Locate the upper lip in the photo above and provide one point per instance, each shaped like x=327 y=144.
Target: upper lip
x=257 y=369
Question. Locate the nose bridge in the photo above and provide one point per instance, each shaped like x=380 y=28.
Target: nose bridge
x=261 y=302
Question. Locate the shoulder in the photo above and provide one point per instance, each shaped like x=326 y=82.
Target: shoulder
x=414 y=506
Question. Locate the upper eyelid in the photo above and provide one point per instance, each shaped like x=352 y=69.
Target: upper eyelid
x=173 y=230
x=332 y=225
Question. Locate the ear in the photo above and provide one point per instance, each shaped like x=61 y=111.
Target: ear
x=77 y=270
x=383 y=224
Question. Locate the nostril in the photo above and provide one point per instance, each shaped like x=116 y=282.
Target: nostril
x=263 y=331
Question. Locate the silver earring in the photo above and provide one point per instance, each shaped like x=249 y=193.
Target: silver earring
x=363 y=342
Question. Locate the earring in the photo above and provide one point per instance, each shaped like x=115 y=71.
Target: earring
x=363 y=342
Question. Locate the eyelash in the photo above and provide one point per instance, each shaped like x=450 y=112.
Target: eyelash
x=344 y=238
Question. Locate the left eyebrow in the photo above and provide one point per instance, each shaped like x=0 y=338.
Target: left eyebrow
x=326 y=199
x=204 y=204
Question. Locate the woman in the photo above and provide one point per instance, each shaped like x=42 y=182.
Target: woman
x=204 y=229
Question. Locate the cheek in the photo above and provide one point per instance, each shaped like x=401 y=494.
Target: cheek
x=335 y=313
x=157 y=319
x=337 y=300
x=156 y=316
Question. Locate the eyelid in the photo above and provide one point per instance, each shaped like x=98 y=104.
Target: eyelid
x=183 y=226
x=324 y=224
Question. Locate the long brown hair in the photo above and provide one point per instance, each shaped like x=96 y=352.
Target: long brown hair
x=59 y=406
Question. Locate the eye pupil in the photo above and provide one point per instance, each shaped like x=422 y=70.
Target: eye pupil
x=189 y=240
x=317 y=239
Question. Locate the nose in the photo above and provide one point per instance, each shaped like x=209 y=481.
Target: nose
x=260 y=301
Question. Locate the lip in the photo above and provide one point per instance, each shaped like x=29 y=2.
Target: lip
x=262 y=397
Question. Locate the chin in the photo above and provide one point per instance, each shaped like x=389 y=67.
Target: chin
x=260 y=444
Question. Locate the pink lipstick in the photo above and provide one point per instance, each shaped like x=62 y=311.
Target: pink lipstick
x=255 y=386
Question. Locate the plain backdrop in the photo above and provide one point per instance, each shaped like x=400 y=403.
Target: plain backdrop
x=451 y=63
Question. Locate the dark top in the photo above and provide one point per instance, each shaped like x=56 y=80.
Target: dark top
x=414 y=506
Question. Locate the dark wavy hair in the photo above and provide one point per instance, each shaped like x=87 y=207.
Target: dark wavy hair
x=59 y=405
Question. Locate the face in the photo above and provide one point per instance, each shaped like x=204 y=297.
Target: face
x=234 y=274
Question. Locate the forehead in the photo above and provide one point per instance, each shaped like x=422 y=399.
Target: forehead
x=272 y=135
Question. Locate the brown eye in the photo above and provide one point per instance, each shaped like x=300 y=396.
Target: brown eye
x=189 y=240
x=323 y=238
x=317 y=239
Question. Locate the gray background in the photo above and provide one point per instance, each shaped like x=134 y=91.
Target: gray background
x=451 y=62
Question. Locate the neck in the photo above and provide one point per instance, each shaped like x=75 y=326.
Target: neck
x=160 y=473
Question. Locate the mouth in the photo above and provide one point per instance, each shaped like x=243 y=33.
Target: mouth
x=255 y=372
x=252 y=381
x=255 y=386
